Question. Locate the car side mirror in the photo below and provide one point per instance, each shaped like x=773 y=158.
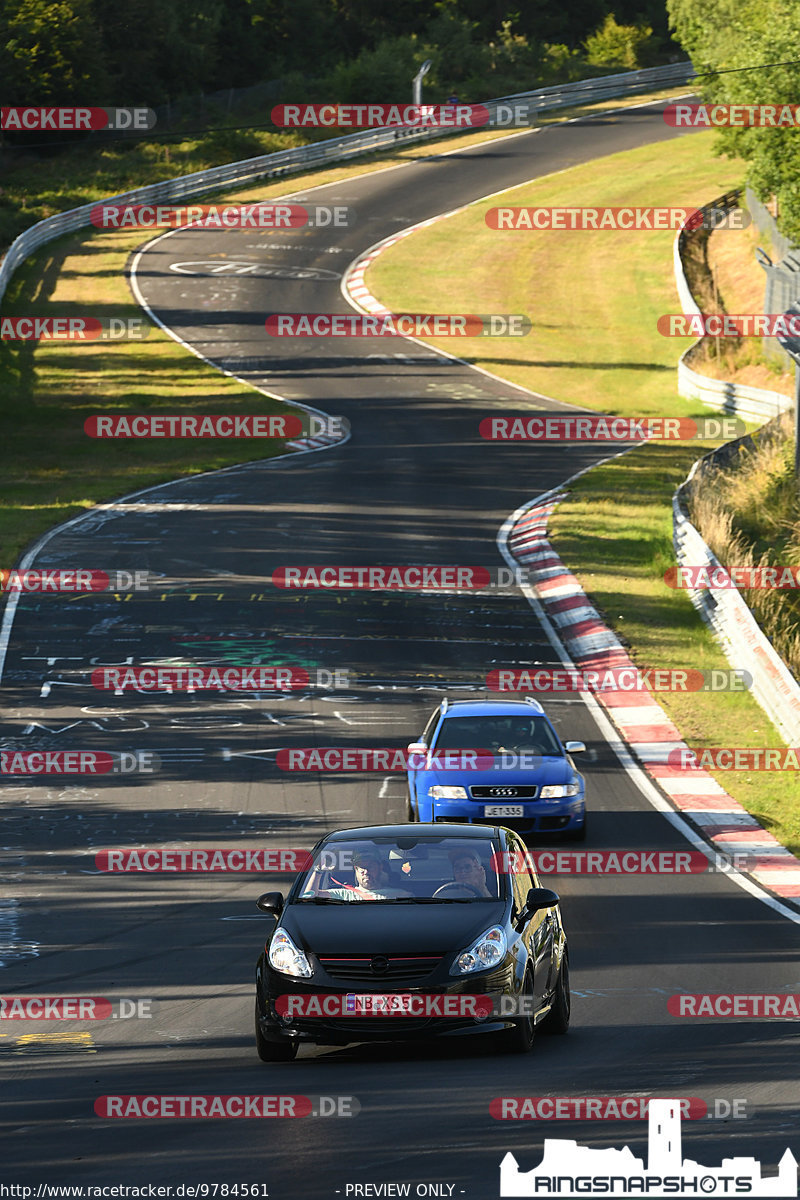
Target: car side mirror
x=271 y=902
x=417 y=748
x=537 y=899
x=574 y=747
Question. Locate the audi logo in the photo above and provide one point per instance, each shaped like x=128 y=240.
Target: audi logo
x=503 y=791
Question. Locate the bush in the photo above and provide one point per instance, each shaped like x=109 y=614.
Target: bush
x=627 y=47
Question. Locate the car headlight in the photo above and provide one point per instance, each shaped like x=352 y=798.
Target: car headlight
x=438 y=792
x=284 y=956
x=488 y=950
x=559 y=789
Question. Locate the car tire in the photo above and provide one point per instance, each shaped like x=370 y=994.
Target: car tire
x=576 y=835
x=557 y=1020
x=273 y=1052
x=519 y=1039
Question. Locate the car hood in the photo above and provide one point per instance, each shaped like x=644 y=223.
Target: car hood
x=366 y=927
x=546 y=771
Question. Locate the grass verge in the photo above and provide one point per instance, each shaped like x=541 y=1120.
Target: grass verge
x=594 y=299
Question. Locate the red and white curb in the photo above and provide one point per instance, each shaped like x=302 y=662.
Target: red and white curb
x=643 y=724
x=321 y=442
x=353 y=285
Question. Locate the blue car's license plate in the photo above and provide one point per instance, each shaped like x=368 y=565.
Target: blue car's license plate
x=503 y=810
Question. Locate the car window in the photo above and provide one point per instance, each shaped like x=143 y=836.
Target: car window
x=514 y=734
x=430 y=727
x=418 y=869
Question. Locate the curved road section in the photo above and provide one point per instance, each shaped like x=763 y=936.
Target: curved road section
x=414 y=484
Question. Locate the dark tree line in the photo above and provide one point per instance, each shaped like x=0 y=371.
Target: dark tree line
x=148 y=52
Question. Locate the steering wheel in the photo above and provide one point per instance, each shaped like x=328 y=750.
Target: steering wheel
x=448 y=887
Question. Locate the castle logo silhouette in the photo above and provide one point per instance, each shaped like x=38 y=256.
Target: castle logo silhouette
x=568 y=1169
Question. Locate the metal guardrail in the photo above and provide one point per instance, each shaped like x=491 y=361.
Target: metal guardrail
x=727 y=614
x=283 y=162
x=737 y=399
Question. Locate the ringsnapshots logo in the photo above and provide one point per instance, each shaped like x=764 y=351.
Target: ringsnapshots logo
x=148 y=426
x=73 y=119
x=568 y=1169
x=523 y=427
x=618 y=679
x=726 y=116
x=627 y=219
x=417 y=325
x=259 y=215
x=73 y=329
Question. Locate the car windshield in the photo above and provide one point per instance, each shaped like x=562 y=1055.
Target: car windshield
x=528 y=735
x=409 y=870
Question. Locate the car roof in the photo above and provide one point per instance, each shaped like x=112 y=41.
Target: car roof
x=493 y=708
x=414 y=829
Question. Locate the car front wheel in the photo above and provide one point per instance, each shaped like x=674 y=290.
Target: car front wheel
x=557 y=1020
x=519 y=1039
x=272 y=1052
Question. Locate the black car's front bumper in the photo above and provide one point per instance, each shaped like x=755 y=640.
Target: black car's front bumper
x=341 y=1030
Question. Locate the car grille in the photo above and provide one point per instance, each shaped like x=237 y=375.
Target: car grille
x=398 y=969
x=388 y=1026
x=503 y=792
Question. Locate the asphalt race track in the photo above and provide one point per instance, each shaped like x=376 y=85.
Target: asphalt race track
x=414 y=483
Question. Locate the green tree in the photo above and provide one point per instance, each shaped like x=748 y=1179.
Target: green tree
x=51 y=53
x=723 y=37
x=625 y=47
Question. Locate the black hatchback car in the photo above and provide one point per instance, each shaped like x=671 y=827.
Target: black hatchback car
x=399 y=932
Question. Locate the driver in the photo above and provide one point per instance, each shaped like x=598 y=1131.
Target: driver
x=372 y=880
x=468 y=868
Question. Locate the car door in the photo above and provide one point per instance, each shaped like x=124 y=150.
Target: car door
x=537 y=931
